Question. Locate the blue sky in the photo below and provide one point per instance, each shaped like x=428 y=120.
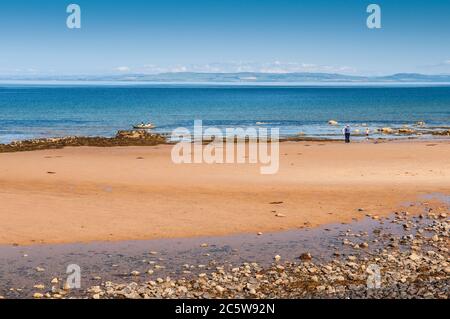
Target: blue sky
x=136 y=36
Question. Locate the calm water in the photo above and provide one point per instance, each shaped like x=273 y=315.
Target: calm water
x=38 y=111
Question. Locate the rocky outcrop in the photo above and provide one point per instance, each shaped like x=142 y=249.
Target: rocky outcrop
x=441 y=133
x=386 y=130
x=407 y=131
x=122 y=138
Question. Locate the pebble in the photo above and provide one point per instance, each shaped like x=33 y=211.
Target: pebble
x=220 y=289
x=305 y=256
x=342 y=277
x=37 y=295
x=414 y=257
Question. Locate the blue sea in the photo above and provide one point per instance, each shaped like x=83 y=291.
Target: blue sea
x=34 y=111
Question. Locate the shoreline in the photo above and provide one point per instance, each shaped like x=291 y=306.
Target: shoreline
x=150 y=138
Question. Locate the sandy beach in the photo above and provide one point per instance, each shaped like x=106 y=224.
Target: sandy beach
x=81 y=194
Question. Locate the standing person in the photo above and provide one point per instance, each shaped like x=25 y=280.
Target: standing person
x=367 y=133
x=346 y=132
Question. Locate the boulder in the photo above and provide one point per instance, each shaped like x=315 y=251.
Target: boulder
x=406 y=131
x=386 y=130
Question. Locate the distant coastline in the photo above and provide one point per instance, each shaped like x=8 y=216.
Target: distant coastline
x=113 y=83
x=242 y=78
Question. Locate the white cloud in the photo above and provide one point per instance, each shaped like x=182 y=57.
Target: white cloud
x=123 y=69
x=246 y=66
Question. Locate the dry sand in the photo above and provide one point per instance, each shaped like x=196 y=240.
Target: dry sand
x=120 y=193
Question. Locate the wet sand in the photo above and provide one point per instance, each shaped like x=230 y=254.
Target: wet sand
x=140 y=262
x=127 y=193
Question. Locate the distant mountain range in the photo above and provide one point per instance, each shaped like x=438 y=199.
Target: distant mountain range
x=244 y=77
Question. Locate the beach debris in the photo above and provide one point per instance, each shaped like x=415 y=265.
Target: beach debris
x=38 y=295
x=39 y=286
x=135 y=273
x=54 y=280
x=204 y=245
x=280 y=215
x=277 y=258
x=150 y=272
x=40 y=269
x=275 y=203
x=333 y=122
x=259 y=233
